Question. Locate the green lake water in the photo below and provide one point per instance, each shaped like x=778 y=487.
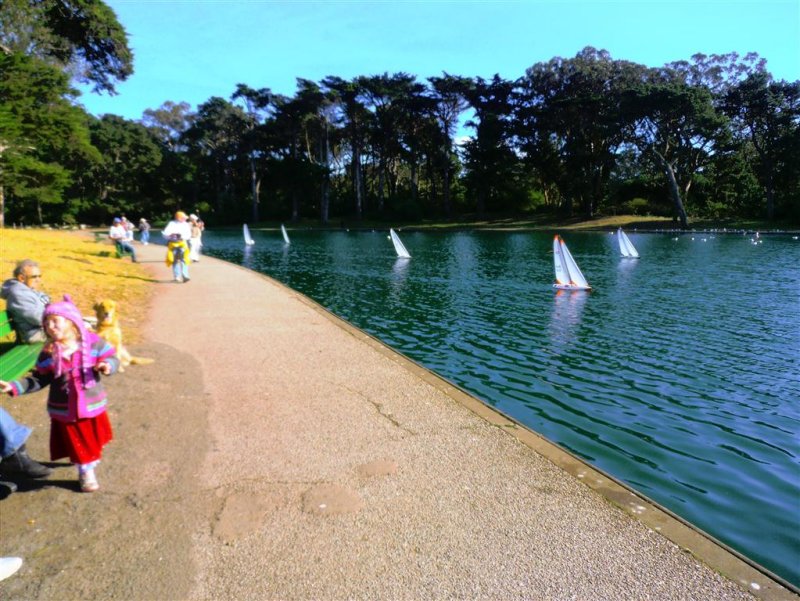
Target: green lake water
x=679 y=374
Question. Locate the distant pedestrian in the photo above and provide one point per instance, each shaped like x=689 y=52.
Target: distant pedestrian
x=177 y=234
x=144 y=231
x=70 y=364
x=196 y=240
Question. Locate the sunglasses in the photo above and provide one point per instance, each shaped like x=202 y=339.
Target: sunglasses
x=34 y=277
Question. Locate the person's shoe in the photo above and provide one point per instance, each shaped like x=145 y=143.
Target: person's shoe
x=9 y=565
x=88 y=481
x=20 y=463
x=178 y=279
x=186 y=280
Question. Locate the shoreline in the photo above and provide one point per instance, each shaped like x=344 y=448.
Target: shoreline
x=276 y=451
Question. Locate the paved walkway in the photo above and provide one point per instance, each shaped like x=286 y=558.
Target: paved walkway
x=301 y=459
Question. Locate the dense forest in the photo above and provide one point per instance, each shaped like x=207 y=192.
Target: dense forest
x=710 y=137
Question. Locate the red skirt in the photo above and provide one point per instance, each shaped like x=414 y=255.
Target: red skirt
x=82 y=441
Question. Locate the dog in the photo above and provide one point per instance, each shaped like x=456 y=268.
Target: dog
x=108 y=328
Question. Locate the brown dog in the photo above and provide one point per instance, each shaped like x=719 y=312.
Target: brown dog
x=108 y=328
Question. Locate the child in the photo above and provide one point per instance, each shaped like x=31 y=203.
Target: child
x=76 y=402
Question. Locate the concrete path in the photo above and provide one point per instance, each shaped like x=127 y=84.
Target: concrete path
x=287 y=455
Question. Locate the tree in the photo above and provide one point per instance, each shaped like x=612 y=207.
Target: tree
x=215 y=142
x=355 y=118
x=258 y=105
x=83 y=36
x=490 y=160
x=676 y=125
x=41 y=134
x=169 y=122
x=569 y=122
x=449 y=96
x=767 y=114
x=131 y=156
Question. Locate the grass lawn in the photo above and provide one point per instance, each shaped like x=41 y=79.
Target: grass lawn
x=75 y=263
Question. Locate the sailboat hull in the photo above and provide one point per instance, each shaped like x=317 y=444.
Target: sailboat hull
x=571 y=287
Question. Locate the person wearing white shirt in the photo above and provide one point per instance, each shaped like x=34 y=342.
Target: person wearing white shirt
x=119 y=235
x=177 y=233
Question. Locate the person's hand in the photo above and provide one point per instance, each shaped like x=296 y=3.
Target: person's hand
x=103 y=368
x=5 y=386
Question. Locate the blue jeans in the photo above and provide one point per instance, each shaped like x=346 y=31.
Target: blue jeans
x=12 y=434
x=145 y=237
x=128 y=248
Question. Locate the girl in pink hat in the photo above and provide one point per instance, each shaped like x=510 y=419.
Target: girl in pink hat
x=71 y=363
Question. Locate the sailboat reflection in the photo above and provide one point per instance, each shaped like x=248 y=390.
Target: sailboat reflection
x=247 y=259
x=399 y=274
x=566 y=317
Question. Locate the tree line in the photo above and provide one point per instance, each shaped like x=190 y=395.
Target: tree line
x=710 y=137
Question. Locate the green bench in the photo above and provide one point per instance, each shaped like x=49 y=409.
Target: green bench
x=16 y=360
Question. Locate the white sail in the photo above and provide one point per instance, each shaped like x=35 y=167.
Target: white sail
x=626 y=246
x=248 y=239
x=568 y=275
x=285 y=235
x=398 y=245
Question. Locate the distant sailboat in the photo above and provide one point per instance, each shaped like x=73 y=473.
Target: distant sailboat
x=285 y=235
x=398 y=245
x=248 y=239
x=568 y=275
x=626 y=246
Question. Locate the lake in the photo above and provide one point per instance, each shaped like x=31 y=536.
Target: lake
x=679 y=373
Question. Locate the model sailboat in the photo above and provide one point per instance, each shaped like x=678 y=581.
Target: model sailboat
x=248 y=239
x=398 y=245
x=285 y=235
x=626 y=246
x=568 y=275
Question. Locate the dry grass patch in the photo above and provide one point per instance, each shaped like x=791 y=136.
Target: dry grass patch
x=75 y=263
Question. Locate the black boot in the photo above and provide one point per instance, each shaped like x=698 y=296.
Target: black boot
x=19 y=463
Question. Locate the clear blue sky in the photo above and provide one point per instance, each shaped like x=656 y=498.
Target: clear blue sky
x=191 y=50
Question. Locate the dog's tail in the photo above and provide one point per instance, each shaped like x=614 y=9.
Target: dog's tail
x=141 y=361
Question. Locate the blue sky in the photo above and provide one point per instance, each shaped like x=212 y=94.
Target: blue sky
x=191 y=50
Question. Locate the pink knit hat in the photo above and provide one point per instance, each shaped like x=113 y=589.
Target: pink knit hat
x=68 y=310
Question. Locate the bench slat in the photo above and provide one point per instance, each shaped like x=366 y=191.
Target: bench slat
x=20 y=358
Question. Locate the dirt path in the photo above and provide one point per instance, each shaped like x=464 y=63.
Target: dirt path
x=272 y=452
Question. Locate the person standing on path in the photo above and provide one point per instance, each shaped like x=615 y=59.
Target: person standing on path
x=70 y=364
x=144 y=231
x=25 y=302
x=177 y=234
x=195 y=242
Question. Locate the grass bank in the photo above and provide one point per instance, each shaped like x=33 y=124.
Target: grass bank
x=534 y=223
x=75 y=263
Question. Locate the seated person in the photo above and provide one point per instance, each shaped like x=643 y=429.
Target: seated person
x=25 y=302
x=119 y=235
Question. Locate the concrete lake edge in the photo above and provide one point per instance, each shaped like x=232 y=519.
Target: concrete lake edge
x=725 y=560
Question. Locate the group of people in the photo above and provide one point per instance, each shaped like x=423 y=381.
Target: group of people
x=73 y=359
x=184 y=241
x=71 y=363
x=184 y=236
